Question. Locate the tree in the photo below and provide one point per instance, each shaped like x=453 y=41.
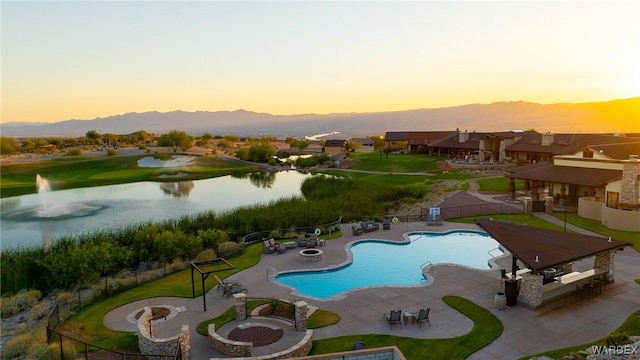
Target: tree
x=176 y=139
x=261 y=152
x=8 y=146
x=300 y=144
x=93 y=136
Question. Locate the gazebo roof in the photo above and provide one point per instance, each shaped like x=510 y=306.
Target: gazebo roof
x=552 y=248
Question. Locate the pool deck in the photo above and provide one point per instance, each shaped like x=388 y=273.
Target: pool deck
x=563 y=323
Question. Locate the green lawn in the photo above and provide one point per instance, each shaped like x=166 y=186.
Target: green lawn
x=597 y=227
x=486 y=328
x=88 y=323
x=521 y=219
x=395 y=163
x=497 y=184
x=78 y=171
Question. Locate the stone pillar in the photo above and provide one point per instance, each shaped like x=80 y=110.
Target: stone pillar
x=605 y=261
x=527 y=203
x=301 y=315
x=241 y=306
x=548 y=204
x=531 y=290
x=185 y=344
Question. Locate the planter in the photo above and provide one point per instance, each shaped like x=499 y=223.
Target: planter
x=500 y=301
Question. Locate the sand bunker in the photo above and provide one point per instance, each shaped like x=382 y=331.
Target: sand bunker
x=176 y=161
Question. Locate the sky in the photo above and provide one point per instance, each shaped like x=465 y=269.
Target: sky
x=89 y=59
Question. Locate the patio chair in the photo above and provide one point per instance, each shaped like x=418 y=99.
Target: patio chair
x=420 y=316
x=269 y=246
x=394 y=317
x=313 y=241
x=229 y=287
x=302 y=242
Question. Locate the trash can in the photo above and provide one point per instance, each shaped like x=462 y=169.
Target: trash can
x=500 y=301
x=511 y=292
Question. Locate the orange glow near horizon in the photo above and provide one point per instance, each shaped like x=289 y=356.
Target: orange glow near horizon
x=66 y=61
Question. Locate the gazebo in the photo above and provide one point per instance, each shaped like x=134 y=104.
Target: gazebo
x=548 y=256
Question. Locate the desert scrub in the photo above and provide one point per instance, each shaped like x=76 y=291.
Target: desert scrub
x=52 y=351
x=19 y=302
x=18 y=346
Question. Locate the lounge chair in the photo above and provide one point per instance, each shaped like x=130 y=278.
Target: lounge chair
x=230 y=287
x=394 y=317
x=420 y=316
x=357 y=229
x=269 y=246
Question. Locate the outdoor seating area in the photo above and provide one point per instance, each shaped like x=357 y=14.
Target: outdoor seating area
x=369 y=225
x=398 y=316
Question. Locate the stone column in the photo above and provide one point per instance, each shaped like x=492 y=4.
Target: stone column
x=527 y=204
x=241 y=306
x=185 y=344
x=301 y=315
x=548 y=204
x=531 y=290
x=605 y=261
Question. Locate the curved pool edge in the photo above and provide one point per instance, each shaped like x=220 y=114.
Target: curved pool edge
x=429 y=280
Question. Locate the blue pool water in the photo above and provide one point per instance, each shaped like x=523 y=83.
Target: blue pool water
x=381 y=263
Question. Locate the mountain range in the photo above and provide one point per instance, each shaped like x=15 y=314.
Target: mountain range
x=611 y=116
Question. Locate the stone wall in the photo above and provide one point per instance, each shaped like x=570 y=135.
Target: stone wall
x=166 y=348
x=228 y=347
x=240 y=349
x=531 y=290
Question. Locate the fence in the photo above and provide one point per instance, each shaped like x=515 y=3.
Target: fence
x=479 y=210
x=74 y=349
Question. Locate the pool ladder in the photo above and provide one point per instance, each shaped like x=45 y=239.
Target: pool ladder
x=427 y=268
x=271 y=272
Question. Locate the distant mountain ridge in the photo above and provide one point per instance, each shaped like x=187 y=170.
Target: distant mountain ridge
x=611 y=116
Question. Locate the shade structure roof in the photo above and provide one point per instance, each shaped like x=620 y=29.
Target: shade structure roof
x=551 y=248
x=566 y=174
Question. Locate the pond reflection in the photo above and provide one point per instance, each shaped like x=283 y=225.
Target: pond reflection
x=177 y=189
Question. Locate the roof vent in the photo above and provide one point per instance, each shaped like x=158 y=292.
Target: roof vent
x=633 y=157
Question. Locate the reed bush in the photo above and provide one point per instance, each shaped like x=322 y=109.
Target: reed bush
x=20 y=302
x=18 y=346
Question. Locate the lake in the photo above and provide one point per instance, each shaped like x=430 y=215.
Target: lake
x=37 y=219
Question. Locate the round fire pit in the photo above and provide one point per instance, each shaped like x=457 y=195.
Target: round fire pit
x=311 y=254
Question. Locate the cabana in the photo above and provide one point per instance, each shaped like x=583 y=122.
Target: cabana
x=548 y=256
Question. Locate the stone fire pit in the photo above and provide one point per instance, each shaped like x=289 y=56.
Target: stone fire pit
x=311 y=254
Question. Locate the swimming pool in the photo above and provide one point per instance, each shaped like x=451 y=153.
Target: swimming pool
x=383 y=263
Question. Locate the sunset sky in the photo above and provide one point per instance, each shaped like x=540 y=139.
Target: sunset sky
x=88 y=59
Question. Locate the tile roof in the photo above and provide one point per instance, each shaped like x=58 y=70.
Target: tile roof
x=552 y=248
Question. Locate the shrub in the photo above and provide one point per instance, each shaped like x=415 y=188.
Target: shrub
x=112 y=152
x=52 y=352
x=66 y=298
x=39 y=311
x=18 y=346
x=20 y=302
x=75 y=152
x=229 y=249
x=617 y=339
x=206 y=255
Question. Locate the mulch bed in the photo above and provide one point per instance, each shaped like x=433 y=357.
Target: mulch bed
x=258 y=335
